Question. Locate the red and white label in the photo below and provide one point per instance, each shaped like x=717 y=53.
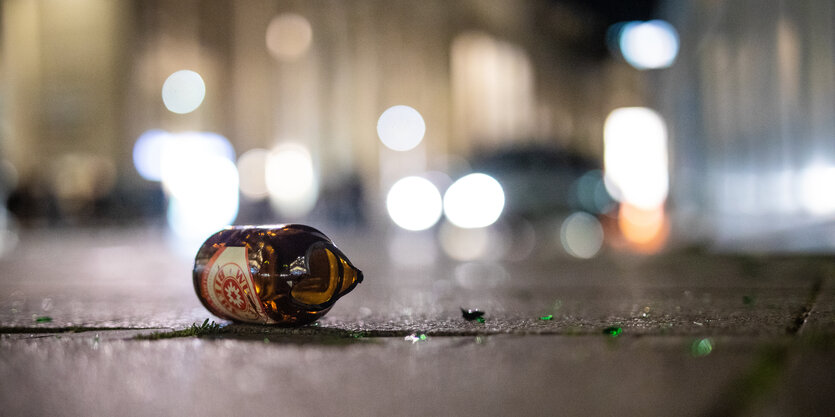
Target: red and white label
x=227 y=286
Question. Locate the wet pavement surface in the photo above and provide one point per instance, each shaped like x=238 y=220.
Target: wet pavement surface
x=85 y=318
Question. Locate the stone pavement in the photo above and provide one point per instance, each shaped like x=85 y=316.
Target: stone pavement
x=701 y=335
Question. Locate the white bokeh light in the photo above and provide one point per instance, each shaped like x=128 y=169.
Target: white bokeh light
x=190 y=150
x=154 y=147
x=401 y=128
x=475 y=200
x=291 y=180
x=581 y=235
x=204 y=197
x=147 y=153
x=288 y=36
x=635 y=157
x=183 y=91
x=252 y=169
x=414 y=203
x=201 y=181
x=186 y=157
x=649 y=45
x=816 y=189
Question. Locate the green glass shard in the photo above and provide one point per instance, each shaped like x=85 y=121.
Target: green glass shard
x=613 y=331
x=701 y=347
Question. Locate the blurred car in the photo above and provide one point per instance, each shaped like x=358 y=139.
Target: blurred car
x=541 y=181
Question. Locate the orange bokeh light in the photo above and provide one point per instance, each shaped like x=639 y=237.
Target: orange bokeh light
x=644 y=230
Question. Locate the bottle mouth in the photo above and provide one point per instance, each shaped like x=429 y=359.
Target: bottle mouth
x=329 y=275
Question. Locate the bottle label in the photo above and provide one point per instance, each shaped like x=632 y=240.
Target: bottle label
x=228 y=287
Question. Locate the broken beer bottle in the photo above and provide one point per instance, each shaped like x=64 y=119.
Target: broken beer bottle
x=285 y=274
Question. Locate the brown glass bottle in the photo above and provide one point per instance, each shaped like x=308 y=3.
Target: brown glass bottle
x=284 y=274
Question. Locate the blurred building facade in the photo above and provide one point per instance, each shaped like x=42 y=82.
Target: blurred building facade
x=750 y=104
x=82 y=79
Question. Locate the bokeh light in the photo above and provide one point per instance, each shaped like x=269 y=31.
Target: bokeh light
x=816 y=189
x=645 y=230
x=252 y=169
x=581 y=235
x=440 y=179
x=475 y=200
x=147 y=153
x=190 y=150
x=204 y=197
x=414 y=203
x=591 y=193
x=635 y=156
x=183 y=91
x=199 y=176
x=291 y=180
x=288 y=36
x=649 y=45
x=401 y=128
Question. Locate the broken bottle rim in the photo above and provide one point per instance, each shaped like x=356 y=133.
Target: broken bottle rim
x=330 y=274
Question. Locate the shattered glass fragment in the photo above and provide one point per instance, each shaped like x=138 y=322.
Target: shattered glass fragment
x=471 y=314
x=701 y=347
x=414 y=338
x=613 y=331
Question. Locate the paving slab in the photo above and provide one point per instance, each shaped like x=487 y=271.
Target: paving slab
x=803 y=382
x=85 y=331
x=133 y=279
x=85 y=374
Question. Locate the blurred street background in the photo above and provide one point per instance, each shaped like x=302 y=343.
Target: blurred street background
x=711 y=127
x=663 y=168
